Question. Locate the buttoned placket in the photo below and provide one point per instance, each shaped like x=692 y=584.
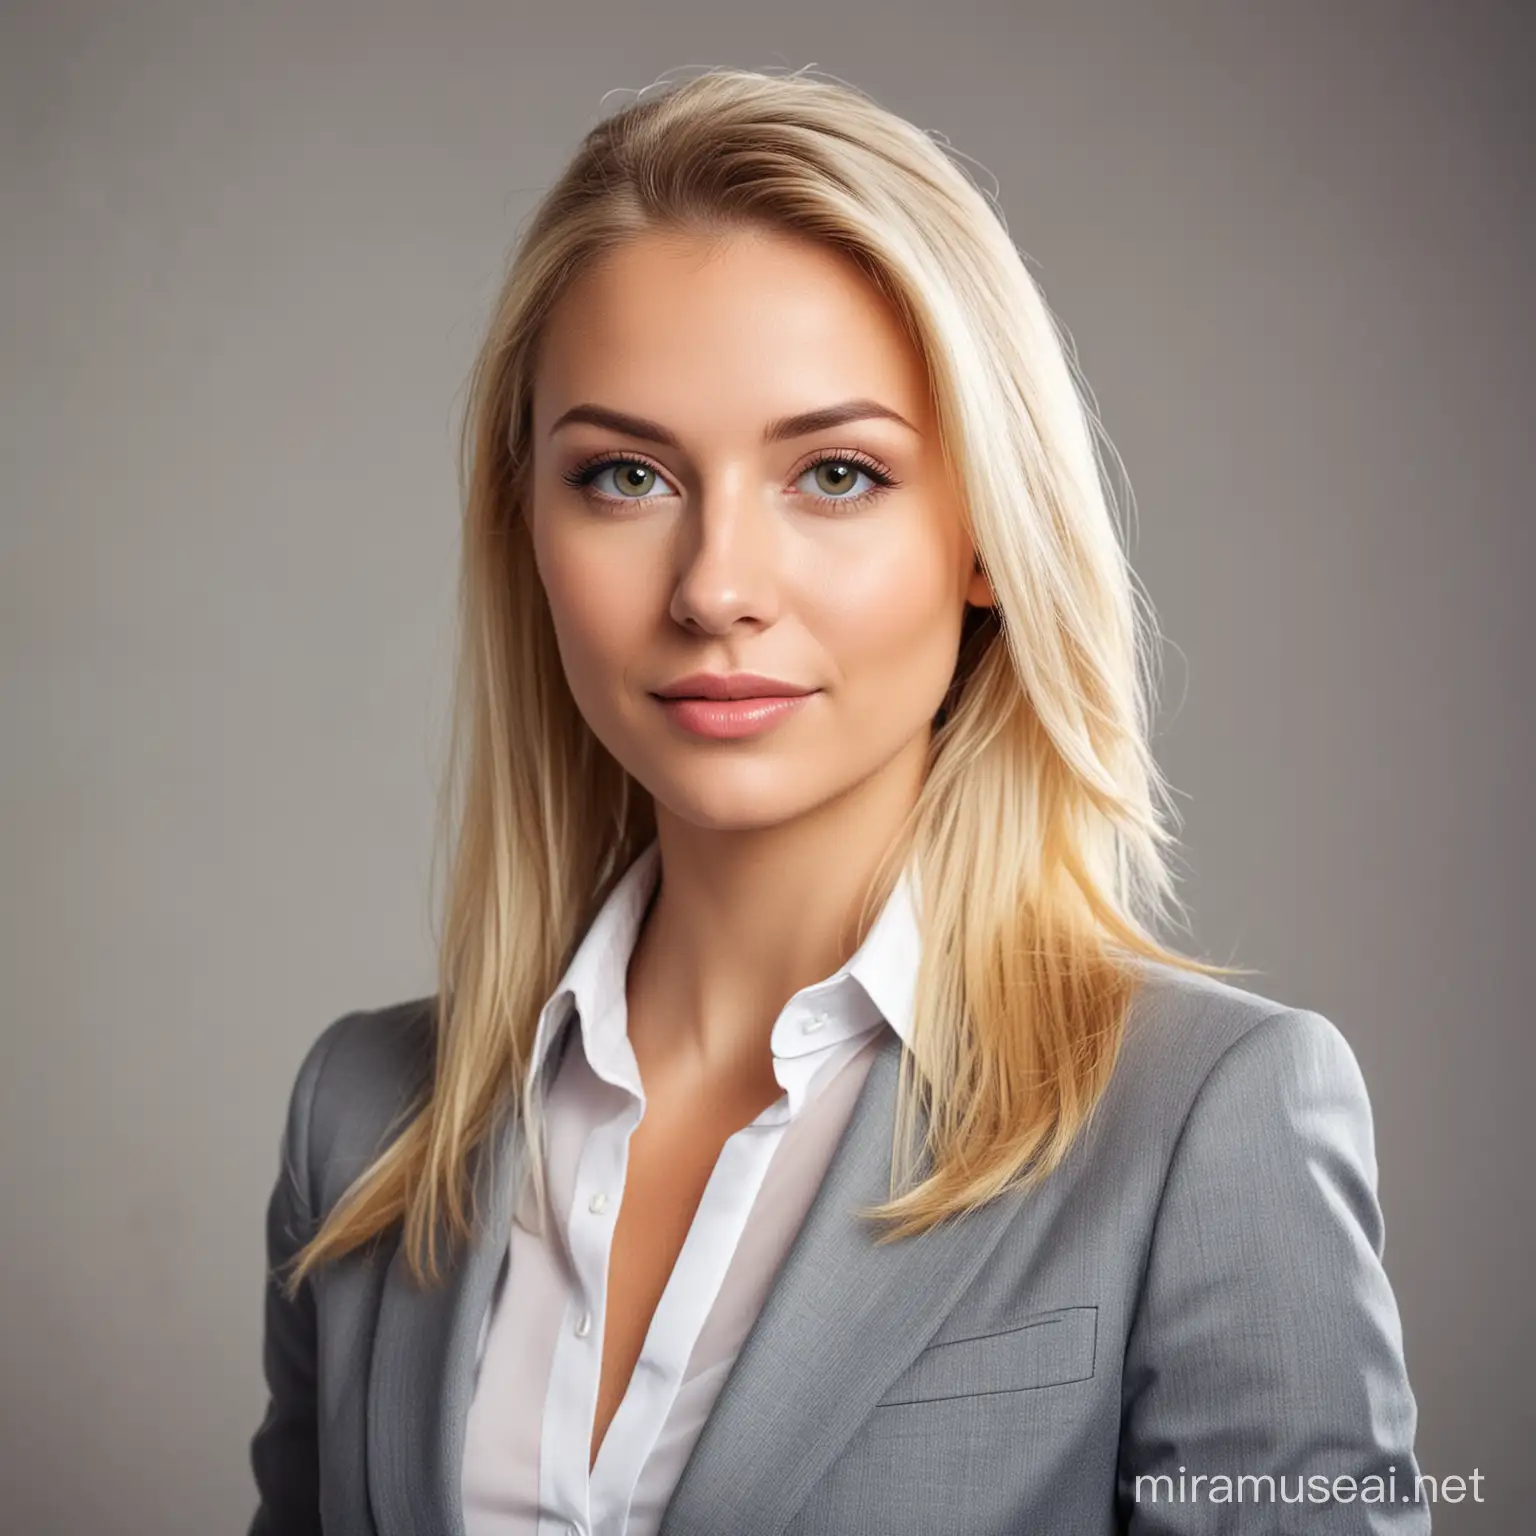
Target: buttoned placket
x=817 y=1032
x=805 y=1042
x=587 y=1234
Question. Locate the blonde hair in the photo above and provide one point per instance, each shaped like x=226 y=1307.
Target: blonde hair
x=1039 y=833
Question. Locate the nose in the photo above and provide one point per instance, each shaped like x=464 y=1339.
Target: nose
x=728 y=558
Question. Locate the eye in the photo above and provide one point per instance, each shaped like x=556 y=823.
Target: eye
x=633 y=479
x=833 y=474
x=834 y=478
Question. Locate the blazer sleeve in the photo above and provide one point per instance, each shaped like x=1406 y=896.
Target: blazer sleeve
x=1266 y=1349
x=285 y=1453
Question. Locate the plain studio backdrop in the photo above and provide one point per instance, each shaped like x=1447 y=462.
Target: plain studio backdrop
x=248 y=254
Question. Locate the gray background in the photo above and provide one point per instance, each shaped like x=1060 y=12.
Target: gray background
x=248 y=253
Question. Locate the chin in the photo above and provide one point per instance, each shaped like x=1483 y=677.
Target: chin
x=734 y=804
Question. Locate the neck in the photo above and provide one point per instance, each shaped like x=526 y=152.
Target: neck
x=745 y=918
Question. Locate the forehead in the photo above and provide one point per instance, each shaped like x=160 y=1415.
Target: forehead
x=730 y=329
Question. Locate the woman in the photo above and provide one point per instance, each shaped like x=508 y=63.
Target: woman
x=808 y=1133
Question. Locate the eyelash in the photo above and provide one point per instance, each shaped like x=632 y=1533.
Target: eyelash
x=583 y=474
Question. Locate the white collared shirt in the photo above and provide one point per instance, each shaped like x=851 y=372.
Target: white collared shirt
x=529 y=1434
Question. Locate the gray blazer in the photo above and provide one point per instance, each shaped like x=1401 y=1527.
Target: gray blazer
x=1196 y=1290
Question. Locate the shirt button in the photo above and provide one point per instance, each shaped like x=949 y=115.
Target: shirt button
x=598 y=1203
x=584 y=1327
x=813 y=1023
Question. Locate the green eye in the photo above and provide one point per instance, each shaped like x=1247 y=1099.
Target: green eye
x=834 y=476
x=837 y=473
x=633 y=478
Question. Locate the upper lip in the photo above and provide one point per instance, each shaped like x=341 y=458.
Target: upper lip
x=732 y=685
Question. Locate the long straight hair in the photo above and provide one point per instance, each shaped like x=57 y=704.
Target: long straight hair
x=1041 y=833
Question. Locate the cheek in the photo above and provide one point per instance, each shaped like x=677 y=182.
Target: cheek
x=592 y=603
x=893 y=624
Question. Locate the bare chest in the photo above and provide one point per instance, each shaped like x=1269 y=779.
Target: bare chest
x=672 y=1154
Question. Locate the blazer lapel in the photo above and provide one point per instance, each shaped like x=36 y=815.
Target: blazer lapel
x=842 y=1320
x=423 y=1365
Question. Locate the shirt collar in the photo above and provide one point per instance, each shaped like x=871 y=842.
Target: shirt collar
x=593 y=984
x=880 y=975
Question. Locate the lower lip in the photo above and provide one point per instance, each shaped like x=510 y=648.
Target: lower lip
x=727 y=719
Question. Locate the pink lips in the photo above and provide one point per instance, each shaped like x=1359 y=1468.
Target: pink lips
x=727 y=705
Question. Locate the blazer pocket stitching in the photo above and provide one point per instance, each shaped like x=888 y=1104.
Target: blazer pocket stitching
x=1039 y=1320
x=1084 y=1366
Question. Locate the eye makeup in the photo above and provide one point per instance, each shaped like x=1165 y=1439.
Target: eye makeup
x=582 y=475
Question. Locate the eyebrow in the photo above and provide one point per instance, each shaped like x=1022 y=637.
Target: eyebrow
x=779 y=431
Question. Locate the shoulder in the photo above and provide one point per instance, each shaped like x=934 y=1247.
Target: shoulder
x=1205 y=1064
x=357 y=1080
x=1183 y=1028
x=1235 y=1087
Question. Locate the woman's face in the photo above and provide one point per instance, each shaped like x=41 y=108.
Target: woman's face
x=709 y=532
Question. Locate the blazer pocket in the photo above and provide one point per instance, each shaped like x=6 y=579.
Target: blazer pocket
x=1052 y=1348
